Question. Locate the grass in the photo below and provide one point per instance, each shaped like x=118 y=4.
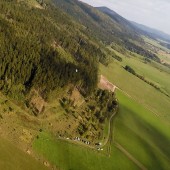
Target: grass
x=154 y=72
x=138 y=89
x=67 y=156
x=142 y=134
x=11 y=158
x=32 y=3
x=136 y=128
x=141 y=126
x=155 y=43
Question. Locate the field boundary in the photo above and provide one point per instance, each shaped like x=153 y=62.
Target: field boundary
x=134 y=160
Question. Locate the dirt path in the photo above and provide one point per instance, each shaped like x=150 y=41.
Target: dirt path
x=139 y=164
x=104 y=84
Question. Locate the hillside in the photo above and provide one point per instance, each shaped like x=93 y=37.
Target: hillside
x=42 y=41
x=98 y=24
x=153 y=33
x=80 y=88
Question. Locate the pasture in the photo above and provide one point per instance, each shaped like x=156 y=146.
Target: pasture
x=12 y=158
x=66 y=155
x=140 y=133
x=137 y=130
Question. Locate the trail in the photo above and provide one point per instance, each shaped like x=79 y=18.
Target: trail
x=134 y=160
x=109 y=130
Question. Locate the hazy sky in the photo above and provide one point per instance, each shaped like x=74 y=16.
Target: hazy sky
x=153 y=13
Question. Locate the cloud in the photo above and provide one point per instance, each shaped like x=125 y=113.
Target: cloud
x=153 y=13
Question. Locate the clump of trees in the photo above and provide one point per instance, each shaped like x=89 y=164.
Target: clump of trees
x=95 y=110
x=139 y=50
x=118 y=58
x=131 y=70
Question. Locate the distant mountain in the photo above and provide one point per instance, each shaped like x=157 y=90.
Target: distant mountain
x=106 y=26
x=132 y=44
x=151 y=32
x=137 y=28
x=128 y=26
x=102 y=26
x=48 y=40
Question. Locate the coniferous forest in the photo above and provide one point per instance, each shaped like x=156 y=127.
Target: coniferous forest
x=29 y=55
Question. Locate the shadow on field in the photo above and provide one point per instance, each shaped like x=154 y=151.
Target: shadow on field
x=149 y=138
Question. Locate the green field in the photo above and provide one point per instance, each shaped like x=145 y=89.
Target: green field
x=137 y=130
x=154 y=72
x=67 y=156
x=142 y=134
x=141 y=127
x=138 y=89
x=12 y=158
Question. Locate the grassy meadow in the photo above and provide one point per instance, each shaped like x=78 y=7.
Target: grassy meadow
x=142 y=134
x=68 y=156
x=141 y=127
x=138 y=89
x=12 y=158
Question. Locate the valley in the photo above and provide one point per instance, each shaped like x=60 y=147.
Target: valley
x=81 y=88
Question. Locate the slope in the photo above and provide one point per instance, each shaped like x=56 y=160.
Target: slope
x=35 y=50
x=97 y=23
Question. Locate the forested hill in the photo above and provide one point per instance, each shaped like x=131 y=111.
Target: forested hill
x=100 y=25
x=46 y=44
x=43 y=48
x=107 y=26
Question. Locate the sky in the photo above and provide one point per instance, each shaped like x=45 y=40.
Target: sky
x=152 y=13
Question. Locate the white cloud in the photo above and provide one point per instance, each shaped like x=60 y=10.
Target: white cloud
x=153 y=13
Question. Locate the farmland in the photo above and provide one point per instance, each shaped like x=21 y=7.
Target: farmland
x=14 y=158
x=81 y=88
x=140 y=127
x=136 y=129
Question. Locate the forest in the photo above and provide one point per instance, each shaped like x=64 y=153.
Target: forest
x=29 y=56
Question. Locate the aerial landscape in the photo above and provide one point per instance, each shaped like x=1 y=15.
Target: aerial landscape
x=84 y=85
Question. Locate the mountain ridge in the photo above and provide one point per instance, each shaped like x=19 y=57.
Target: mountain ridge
x=140 y=28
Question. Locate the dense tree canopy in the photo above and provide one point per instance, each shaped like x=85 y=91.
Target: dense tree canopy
x=30 y=38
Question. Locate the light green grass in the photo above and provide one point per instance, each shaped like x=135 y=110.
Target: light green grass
x=67 y=156
x=142 y=134
x=33 y=3
x=155 y=43
x=11 y=158
x=138 y=89
x=154 y=72
x=165 y=58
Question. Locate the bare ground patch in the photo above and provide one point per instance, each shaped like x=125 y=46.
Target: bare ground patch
x=104 y=84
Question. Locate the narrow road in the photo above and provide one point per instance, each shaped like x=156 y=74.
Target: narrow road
x=109 y=130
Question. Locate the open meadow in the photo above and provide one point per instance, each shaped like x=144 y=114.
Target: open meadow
x=140 y=129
